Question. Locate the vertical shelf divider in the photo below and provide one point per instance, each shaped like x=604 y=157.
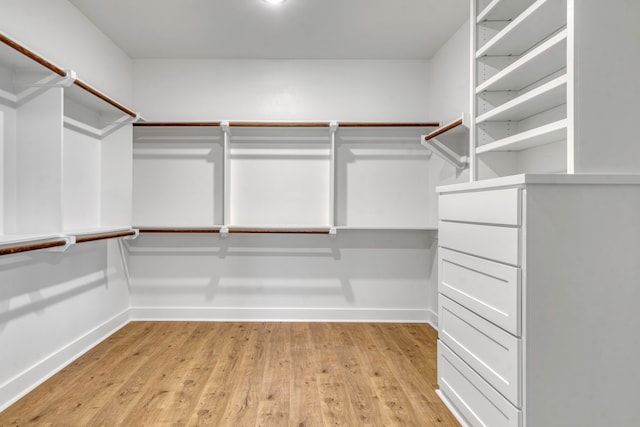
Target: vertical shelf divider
x=333 y=128
x=226 y=179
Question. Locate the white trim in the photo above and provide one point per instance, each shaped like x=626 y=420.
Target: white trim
x=458 y=416
x=17 y=387
x=432 y=318
x=248 y=314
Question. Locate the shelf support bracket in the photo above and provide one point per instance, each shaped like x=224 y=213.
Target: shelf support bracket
x=41 y=86
x=69 y=241
x=119 y=123
x=435 y=146
x=224 y=231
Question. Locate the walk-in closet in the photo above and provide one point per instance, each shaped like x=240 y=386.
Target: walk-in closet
x=312 y=213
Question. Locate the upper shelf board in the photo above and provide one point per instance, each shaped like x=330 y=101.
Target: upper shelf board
x=541 y=20
x=503 y=10
x=542 y=61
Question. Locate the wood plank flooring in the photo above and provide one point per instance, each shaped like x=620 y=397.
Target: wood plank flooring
x=246 y=374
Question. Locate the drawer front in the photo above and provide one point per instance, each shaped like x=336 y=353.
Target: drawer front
x=487 y=241
x=491 y=207
x=489 y=289
x=490 y=351
x=473 y=397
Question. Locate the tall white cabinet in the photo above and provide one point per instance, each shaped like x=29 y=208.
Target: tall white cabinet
x=538 y=255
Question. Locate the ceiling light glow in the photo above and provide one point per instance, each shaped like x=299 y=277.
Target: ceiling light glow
x=274 y=1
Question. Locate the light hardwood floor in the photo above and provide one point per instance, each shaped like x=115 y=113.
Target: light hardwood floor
x=246 y=374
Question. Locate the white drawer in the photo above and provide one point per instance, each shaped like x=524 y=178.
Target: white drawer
x=490 y=351
x=487 y=241
x=487 y=288
x=473 y=397
x=491 y=207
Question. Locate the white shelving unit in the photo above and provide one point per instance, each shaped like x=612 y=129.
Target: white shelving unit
x=279 y=177
x=540 y=91
x=64 y=150
x=520 y=87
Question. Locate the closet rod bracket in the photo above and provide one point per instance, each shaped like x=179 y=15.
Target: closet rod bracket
x=69 y=241
x=224 y=231
x=333 y=232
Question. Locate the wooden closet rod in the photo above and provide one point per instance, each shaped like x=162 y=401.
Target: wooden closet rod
x=180 y=230
x=178 y=124
x=31 y=247
x=92 y=238
x=280 y=124
x=388 y=124
x=32 y=55
x=104 y=97
x=276 y=231
x=297 y=124
x=443 y=129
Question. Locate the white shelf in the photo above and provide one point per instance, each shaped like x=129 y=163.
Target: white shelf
x=542 y=135
x=542 y=61
x=18 y=239
x=97 y=230
x=503 y=10
x=383 y=228
x=82 y=127
x=536 y=23
x=542 y=98
x=277 y=228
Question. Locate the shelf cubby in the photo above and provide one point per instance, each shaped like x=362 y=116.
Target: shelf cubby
x=502 y=10
x=177 y=175
x=535 y=24
x=541 y=98
x=542 y=61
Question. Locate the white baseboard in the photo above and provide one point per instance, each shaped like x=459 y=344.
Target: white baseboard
x=458 y=416
x=432 y=319
x=23 y=383
x=281 y=314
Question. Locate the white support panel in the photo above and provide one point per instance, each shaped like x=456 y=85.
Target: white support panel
x=226 y=174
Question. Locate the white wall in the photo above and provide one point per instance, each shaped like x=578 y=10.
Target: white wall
x=360 y=275
x=56 y=30
x=344 y=90
x=54 y=306
x=449 y=97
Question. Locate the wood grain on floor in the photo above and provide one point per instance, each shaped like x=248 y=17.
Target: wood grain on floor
x=246 y=374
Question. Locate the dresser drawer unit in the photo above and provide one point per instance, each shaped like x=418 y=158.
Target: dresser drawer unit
x=486 y=241
x=490 y=351
x=490 y=207
x=489 y=289
x=472 y=396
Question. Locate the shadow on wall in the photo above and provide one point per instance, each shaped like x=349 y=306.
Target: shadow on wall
x=355 y=268
x=33 y=281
